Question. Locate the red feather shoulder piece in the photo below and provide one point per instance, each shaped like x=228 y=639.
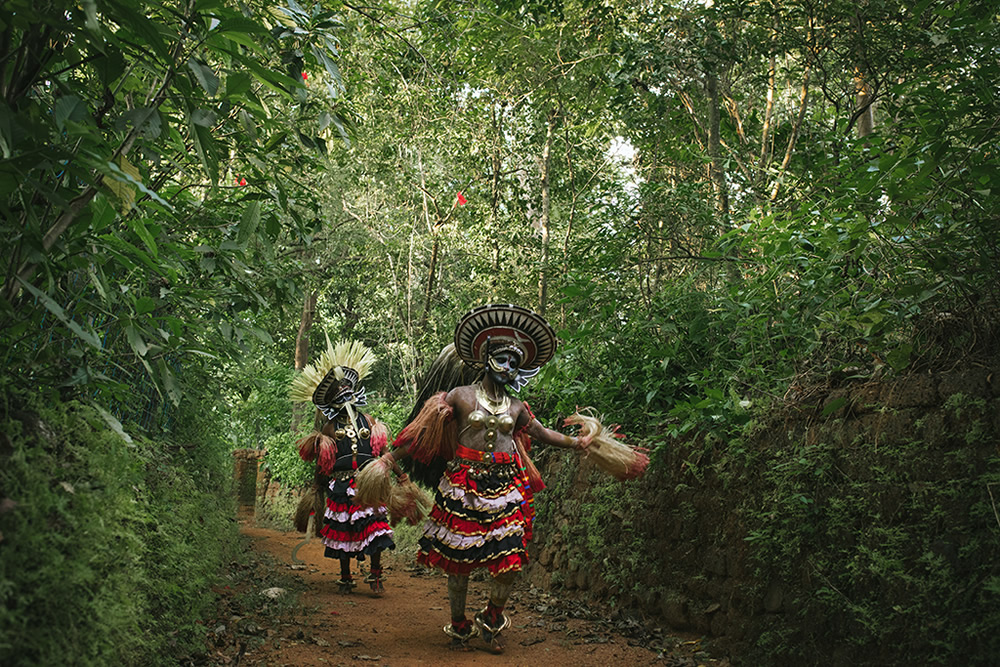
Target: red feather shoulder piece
x=379 y=435
x=523 y=443
x=432 y=434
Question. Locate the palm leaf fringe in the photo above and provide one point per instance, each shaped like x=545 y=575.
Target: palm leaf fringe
x=408 y=502
x=312 y=503
x=373 y=485
x=619 y=459
x=432 y=434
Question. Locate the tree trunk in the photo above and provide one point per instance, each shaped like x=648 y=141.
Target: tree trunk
x=430 y=282
x=302 y=350
x=543 y=276
x=572 y=212
x=716 y=168
x=865 y=106
x=766 y=145
x=434 y=253
x=803 y=102
x=864 y=102
x=497 y=164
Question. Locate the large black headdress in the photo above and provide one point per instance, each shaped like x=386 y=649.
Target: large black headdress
x=487 y=329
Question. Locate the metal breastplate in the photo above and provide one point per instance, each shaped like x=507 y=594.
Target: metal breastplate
x=493 y=424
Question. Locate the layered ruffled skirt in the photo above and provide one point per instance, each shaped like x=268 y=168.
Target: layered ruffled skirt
x=351 y=530
x=478 y=520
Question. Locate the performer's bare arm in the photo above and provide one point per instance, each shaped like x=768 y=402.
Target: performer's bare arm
x=396 y=454
x=555 y=438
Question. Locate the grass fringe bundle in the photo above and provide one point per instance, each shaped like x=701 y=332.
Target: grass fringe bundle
x=432 y=433
x=327 y=456
x=308 y=447
x=373 y=485
x=408 y=502
x=621 y=460
x=312 y=503
x=318 y=447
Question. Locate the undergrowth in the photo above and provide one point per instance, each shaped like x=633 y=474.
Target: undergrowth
x=109 y=543
x=870 y=546
x=885 y=550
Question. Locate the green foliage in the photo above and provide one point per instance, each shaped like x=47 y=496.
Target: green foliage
x=392 y=413
x=261 y=410
x=151 y=157
x=284 y=462
x=111 y=544
x=888 y=543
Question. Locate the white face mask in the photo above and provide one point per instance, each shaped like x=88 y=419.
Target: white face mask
x=503 y=367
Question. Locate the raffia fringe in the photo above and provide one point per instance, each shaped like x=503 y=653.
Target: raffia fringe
x=432 y=433
x=372 y=484
x=408 y=502
x=320 y=448
x=310 y=504
x=307 y=447
x=606 y=450
x=327 y=457
x=379 y=437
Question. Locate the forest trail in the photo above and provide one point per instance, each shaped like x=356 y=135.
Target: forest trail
x=403 y=626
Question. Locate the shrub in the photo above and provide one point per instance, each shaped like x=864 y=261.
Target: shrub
x=108 y=544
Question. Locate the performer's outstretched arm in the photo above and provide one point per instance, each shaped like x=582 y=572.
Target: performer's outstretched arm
x=555 y=438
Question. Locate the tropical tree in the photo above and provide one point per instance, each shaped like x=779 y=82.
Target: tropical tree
x=155 y=160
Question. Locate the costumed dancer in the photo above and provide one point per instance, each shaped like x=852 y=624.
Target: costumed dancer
x=472 y=443
x=343 y=442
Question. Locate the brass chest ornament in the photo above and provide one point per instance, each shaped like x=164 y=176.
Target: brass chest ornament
x=496 y=420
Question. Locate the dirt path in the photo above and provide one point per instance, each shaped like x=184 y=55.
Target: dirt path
x=403 y=626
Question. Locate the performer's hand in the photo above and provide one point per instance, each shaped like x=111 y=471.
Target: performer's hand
x=583 y=442
x=402 y=478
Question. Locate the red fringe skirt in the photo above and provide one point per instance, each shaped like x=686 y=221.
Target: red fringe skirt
x=351 y=530
x=476 y=522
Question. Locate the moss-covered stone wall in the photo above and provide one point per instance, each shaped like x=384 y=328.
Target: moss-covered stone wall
x=856 y=524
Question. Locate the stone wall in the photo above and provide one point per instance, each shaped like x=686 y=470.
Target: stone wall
x=677 y=547
x=245 y=463
x=257 y=492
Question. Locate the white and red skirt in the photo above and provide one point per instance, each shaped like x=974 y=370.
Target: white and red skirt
x=481 y=515
x=349 y=529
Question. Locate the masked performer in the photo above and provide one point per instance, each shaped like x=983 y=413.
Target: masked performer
x=343 y=442
x=471 y=443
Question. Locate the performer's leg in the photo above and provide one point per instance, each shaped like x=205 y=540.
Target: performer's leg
x=491 y=620
x=461 y=629
x=374 y=578
x=346 y=583
x=500 y=590
x=458 y=591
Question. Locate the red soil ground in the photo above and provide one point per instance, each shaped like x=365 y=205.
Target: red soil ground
x=403 y=625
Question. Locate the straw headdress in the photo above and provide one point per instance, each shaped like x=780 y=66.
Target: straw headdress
x=319 y=383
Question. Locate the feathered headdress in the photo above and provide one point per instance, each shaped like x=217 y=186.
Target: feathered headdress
x=335 y=380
